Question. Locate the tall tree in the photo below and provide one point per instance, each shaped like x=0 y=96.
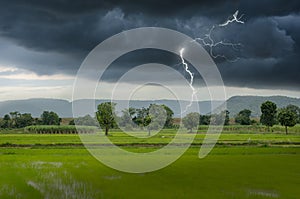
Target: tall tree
x=243 y=117
x=169 y=119
x=105 y=115
x=287 y=118
x=191 y=121
x=226 y=121
x=268 y=116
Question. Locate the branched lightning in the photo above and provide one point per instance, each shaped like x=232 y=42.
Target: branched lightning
x=208 y=41
x=234 y=18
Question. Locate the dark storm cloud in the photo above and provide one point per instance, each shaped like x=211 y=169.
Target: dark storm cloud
x=55 y=36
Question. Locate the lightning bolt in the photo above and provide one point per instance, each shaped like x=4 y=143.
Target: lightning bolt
x=208 y=41
x=186 y=68
x=234 y=18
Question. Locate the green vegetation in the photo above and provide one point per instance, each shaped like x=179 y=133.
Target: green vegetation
x=86 y=120
x=105 y=115
x=243 y=117
x=57 y=129
x=191 y=120
x=269 y=111
x=287 y=118
x=16 y=120
x=50 y=118
x=50 y=169
x=248 y=161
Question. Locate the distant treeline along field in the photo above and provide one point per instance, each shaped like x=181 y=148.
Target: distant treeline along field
x=151 y=118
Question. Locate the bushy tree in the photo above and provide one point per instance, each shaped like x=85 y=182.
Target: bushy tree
x=191 y=121
x=142 y=118
x=105 y=115
x=296 y=110
x=287 y=118
x=50 y=118
x=268 y=116
x=151 y=118
x=86 y=120
x=158 y=117
x=17 y=120
x=204 y=119
x=243 y=117
x=23 y=120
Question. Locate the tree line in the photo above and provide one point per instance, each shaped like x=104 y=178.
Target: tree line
x=287 y=116
x=157 y=116
x=19 y=120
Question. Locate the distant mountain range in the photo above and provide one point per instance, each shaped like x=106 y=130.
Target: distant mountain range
x=64 y=107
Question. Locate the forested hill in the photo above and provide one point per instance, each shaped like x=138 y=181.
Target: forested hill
x=237 y=103
x=64 y=107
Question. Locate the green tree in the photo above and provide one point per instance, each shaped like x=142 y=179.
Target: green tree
x=296 y=110
x=158 y=117
x=18 y=120
x=50 y=118
x=268 y=116
x=23 y=120
x=126 y=120
x=6 y=121
x=142 y=117
x=14 y=115
x=226 y=121
x=169 y=119
x=221 y=118
x=287 y=118
x=191 y=121
x=243 y=117
x=105 y=115
x=86 y=120
x=204 y=119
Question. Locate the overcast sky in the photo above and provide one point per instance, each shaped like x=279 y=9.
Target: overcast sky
x=43 y=43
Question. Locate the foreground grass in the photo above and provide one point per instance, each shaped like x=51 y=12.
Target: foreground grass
x=228 y=172
x=244 y=165
x=159 y=139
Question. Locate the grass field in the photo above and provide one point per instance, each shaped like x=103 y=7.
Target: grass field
x=240 y=166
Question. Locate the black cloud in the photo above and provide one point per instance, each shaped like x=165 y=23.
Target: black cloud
x=70 y=29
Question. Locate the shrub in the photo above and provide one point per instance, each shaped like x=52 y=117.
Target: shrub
x=56 y=129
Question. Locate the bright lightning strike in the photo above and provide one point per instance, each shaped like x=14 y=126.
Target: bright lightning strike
x=186 y=68
x=208 y=41
x=235 y=18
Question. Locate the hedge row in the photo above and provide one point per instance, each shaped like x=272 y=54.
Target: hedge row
x=55 y=129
